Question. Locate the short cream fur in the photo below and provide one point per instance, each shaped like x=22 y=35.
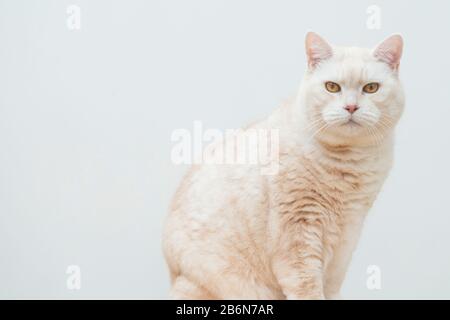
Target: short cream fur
x=233 y=233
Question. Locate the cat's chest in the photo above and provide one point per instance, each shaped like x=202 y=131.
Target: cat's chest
x=335 y=189
x=353 y=190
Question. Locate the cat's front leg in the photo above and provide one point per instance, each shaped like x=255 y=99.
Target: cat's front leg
x=298 y=261
x=342 y=254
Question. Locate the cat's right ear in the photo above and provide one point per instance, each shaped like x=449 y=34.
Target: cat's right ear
x=317 y=49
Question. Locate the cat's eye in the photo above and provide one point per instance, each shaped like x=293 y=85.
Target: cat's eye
x=371 y=87
x=332 y=87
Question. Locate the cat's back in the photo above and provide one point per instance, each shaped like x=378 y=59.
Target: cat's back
x=210 y=194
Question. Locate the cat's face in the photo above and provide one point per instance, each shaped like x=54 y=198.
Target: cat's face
x=352 y=96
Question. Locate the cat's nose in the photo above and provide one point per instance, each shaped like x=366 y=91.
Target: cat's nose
x=351 y=108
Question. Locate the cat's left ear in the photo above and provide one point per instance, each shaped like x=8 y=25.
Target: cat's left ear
x=390 y=51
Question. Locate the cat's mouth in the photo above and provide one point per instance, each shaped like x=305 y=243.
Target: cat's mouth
x=351 y=122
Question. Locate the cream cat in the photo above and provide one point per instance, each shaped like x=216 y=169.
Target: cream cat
x=233 y=233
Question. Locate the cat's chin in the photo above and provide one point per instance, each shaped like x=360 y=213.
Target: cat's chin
x=350 y=133
x=347 y=128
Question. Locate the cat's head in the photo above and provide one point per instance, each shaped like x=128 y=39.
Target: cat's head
x=352 y=96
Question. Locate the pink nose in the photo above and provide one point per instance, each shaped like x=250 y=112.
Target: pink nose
x=351 y=108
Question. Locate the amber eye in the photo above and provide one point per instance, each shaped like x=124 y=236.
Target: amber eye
x=332 y=86
x=371 y=87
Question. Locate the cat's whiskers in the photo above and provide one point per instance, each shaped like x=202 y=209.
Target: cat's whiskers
x=314 y=124
x=384 y=121
x=369 y=120
x=325 y=126
x=377 y=136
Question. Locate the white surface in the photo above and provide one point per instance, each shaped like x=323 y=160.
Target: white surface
x=86 y=118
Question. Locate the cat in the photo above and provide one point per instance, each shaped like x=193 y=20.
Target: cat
x=233 y=233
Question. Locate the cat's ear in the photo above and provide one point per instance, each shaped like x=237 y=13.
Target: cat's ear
x=317 y=49
x=390 y=51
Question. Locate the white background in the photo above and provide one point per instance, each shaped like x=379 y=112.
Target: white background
x=86 y=118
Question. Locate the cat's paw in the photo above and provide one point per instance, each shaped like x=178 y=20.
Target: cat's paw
x=313 y=296
x=334 y=296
